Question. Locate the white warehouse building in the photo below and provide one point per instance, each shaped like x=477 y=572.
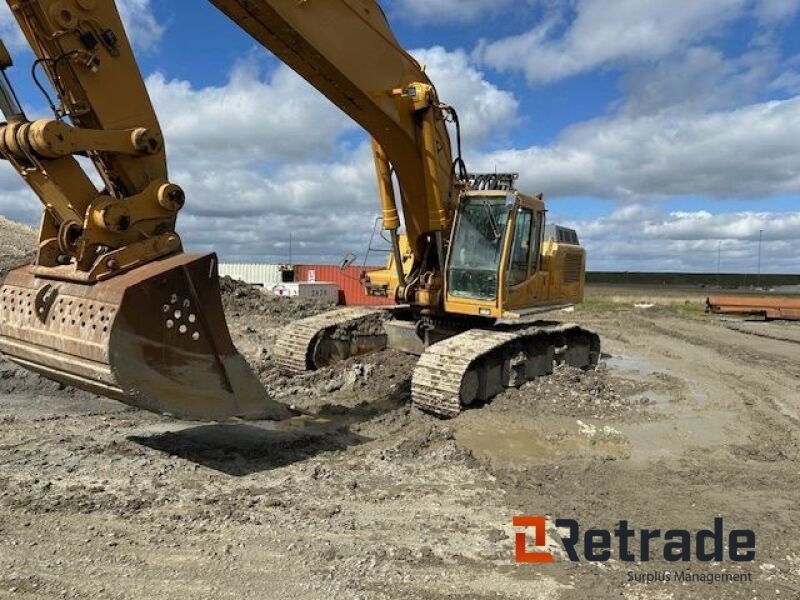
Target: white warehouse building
x=279 y=279
x=262 y=275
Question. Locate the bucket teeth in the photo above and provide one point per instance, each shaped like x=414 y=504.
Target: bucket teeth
x=154 y=338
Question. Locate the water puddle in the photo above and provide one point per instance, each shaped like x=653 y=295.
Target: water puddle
x=631 y=364
x=508 y=447
x=652 y=398
x=700 y=429
x=515 y=443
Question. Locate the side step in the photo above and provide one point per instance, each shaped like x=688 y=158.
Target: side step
x=478 y=364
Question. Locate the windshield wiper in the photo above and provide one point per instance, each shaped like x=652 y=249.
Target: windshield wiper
x=492 y=220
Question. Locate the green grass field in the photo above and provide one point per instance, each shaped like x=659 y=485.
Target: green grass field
x=709 y=280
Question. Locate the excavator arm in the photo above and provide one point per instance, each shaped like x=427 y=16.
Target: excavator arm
x=102 y=111
x=347 y=50
x=112 y=304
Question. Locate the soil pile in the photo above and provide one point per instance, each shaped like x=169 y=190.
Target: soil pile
x=17 y=244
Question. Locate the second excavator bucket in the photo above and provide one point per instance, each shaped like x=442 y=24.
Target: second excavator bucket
x=154 y=338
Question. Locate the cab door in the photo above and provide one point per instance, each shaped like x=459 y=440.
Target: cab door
x=524 y=283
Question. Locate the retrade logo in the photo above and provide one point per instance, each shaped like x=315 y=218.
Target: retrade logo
x=523 y=555
x=629 y=545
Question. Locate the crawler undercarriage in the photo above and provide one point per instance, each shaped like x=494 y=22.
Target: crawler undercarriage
x=460 y=363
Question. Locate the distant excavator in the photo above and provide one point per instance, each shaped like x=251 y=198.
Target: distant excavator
x=113 y=305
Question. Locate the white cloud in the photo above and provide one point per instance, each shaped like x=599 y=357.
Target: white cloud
x=343 y=184
x=265 y=155
x=787 y=81
x=701 y=79
x=484 y=110
x=252 y=118
x=747 y=152
x=262 y=156
x=621 y=32
x=438 y=11
x=775 y=11
x=143 y=27
x=9 y=30
x=248 y=216
x=647 y=239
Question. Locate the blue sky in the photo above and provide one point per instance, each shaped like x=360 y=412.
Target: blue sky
x=660 y=129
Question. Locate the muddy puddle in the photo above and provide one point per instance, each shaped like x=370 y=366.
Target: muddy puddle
x=631 y=366
x=665 y=419
x=690 y=430
x=509 y=442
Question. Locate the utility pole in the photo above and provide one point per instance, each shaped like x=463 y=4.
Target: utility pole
x=760 y=238
x=290 y=248
x=719 y=263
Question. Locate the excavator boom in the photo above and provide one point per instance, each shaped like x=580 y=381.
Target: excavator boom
x=347 y=50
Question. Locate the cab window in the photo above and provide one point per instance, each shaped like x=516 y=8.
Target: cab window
x=477 y=247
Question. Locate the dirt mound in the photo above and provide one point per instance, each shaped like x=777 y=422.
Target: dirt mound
x=17 y=244
x=574 y=392
x=243 y=300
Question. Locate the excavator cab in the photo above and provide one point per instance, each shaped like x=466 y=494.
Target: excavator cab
x=478 y=243
x=500 y=266
x=494 y=251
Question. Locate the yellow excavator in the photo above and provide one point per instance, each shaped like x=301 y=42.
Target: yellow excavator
x=113 y=305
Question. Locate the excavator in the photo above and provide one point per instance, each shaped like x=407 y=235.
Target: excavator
x=113 y=305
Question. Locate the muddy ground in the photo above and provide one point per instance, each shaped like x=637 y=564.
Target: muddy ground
x=687 y=419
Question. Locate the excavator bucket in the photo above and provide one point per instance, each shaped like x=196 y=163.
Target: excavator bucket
x=154 y=338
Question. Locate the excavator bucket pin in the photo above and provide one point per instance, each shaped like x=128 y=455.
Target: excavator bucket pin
x=154 y=338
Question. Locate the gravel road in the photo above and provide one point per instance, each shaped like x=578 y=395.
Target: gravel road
x=686 y=419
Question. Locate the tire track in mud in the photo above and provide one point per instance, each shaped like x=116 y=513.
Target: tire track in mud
x=738 y=347
x=751 y=476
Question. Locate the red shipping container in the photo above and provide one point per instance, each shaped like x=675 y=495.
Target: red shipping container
x=351 y=290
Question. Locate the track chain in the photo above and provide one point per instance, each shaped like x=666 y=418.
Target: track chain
x=296 y=340
x=437 y=378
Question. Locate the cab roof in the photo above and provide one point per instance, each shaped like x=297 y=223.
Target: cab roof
x=535 y=203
